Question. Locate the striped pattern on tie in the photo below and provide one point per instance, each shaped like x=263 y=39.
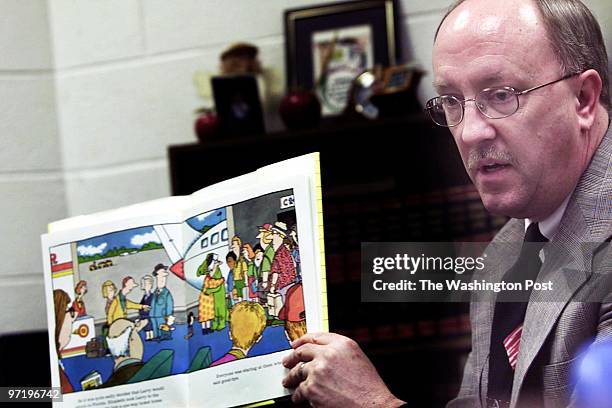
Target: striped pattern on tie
x=512 y=343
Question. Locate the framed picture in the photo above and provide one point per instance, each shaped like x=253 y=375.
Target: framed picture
x=327 y=46
x=238 y=105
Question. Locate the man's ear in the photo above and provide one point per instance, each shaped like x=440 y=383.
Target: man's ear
x=588 y=98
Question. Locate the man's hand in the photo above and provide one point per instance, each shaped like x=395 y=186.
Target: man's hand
x=330 y=370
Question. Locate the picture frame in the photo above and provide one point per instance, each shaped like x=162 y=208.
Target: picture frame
x=238 y=105
x=327 y=46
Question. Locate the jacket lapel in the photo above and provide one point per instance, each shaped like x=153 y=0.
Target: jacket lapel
x=568 y=258
x=502 y=253
x=568 y=267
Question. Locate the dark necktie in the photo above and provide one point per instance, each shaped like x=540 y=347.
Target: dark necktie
x=509 y=315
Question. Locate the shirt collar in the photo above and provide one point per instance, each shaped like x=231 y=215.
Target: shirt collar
x=549 y=225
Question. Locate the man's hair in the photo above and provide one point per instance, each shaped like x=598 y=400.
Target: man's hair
x=119 y=343
x=231 y=255
x=575 y=37
x=146 y=278
x=107 y=284
x=247 y=323
x=249 y=249
x=125 y=281
x=295 y=330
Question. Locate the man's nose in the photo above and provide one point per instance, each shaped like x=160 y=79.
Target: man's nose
x=476 y=126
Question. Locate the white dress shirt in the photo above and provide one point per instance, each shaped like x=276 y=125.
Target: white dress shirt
x=549 y=225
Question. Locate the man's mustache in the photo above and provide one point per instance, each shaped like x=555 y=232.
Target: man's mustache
x=488 y=153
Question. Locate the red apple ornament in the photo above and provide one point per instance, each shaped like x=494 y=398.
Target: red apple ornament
x=207 y=126
x=300 y=110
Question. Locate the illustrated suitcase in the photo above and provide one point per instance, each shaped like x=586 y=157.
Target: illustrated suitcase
x=95 y=348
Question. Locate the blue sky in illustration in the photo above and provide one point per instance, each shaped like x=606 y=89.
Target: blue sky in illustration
x=210 y=218
x=132 y=238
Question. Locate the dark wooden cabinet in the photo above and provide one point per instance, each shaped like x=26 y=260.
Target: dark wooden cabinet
x=405 y=155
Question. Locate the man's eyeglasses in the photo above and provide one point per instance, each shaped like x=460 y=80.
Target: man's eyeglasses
x=495 y=103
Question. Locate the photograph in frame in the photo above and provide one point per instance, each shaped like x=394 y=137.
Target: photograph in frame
x=330 y=45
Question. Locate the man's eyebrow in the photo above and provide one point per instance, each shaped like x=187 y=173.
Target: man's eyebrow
x=489 y=79
x=438 y=85
x=485 y=81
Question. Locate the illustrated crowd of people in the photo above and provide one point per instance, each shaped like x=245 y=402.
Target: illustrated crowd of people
x=155 y=317
x=156 y=305
x=263 y=274
x=262 y=288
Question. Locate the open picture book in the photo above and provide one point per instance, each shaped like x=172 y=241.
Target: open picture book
x=188 y=300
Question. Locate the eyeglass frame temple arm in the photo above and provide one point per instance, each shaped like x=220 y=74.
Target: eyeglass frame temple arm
x=549 y=83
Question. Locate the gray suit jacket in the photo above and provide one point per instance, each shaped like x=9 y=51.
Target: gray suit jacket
x=557 y=324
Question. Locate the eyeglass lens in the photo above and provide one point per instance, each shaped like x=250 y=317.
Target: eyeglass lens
x=494 y=103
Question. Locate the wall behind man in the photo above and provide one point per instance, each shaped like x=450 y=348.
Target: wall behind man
x=32 y=190
x=92 y=93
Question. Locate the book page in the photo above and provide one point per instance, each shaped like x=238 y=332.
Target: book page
x=255 y=290
x=188 y=301
x=117 y=312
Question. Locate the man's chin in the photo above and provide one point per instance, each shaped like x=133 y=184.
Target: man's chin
x=503 y=204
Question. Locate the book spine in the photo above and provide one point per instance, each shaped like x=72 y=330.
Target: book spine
x=319 y=217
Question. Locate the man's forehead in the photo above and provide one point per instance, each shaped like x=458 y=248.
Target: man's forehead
x=441 y=83
x=495 y=20
x=494 y=41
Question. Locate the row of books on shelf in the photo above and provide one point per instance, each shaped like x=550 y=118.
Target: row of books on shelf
x=422 y=330
x=454 y=214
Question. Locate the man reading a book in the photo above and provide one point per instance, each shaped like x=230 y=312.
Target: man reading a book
x=524 y=90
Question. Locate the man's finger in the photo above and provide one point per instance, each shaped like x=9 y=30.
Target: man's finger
x=315 y=338
x=305 y=353
x=298 y=395
x=296 y=375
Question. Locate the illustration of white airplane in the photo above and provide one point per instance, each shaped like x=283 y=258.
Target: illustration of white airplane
x=185 y=263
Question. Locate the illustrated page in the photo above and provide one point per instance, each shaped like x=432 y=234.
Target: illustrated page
x=187 y=300
x=118 y=312
x=248 y=273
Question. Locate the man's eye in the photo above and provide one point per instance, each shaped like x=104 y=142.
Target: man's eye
x=500 y=96
x=450 y=102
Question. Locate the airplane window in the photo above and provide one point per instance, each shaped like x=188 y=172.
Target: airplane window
x=214 y=239
x=224 y=234
x=204 y=243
